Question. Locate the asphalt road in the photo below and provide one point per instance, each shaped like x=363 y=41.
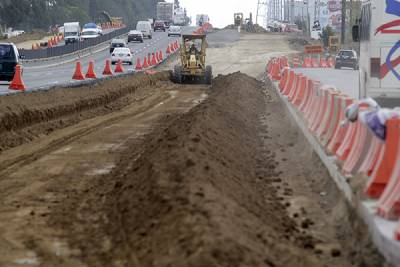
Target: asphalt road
x=39 y=76
x=345 y=80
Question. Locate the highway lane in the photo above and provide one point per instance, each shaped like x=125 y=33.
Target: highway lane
x=345 y=80
x=37 y=77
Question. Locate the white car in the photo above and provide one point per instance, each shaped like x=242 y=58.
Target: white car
x=175 y=30
x=123 y=54
x=89 y=34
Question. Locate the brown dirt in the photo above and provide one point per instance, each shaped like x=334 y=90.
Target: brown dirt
x=223 y=185
x=25 y=117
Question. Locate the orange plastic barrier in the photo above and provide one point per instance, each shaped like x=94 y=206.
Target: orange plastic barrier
x=307 y=63
x=138 y=66
x=296 y=62
x=284 y=79
x=389 y=202
x=145 y=63
x=17 y=83
x=315 y=63
x=359 y=151
x=374 y=154
x=328 y=117
x=289 y=84
x=309 y=111
x=300 y=91
x=90 y=72
x=308 y=96
x=153 y=60
x=293 y=89
x=78 y=75
x=322 y=110
x=119 y=68
x=323 y=63
x=334 y=123
x=348 y=142
x=386 y=164
x=341 y=130
x=276 y=71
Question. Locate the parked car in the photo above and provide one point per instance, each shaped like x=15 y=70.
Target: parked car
x=347 y=58
x=145 y=28
x=9 y=58
x=175 y=30
x=115 y=43
x=135 y=36
x=121 y=53
x=159 y=25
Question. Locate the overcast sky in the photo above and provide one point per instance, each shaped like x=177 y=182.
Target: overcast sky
x=220 y=11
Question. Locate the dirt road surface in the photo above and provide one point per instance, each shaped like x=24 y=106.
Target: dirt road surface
x=139 y=171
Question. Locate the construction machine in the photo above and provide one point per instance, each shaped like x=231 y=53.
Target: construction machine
x=193 y=60
x=238 y=19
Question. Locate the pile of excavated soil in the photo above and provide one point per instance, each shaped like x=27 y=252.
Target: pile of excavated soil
x=27 y=116
x=213 y=189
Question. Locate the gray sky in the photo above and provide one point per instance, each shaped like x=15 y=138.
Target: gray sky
x=220 y=11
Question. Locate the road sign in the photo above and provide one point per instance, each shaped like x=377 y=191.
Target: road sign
x=313 y=49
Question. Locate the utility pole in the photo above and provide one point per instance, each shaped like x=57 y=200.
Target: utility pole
x=343 y=22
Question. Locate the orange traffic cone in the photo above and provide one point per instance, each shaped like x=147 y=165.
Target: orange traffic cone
x=33 y=46
x=172 y=48
x=145 y=63
x=90 y=73
x=49 y=44
x=107 y=68
x=168 y=50
x=78 y=72
x=17 y=83
x=153 y=60
x=176 y=45
x=161 y=56
x=138 y=65
x=119 y=68
x=158 y=57
x=149 y=59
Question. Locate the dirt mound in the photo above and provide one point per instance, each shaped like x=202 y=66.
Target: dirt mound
x=196 y=196
x=24 y=117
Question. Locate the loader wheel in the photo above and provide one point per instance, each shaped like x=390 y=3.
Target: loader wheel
x=208 y=77
x=178 y=74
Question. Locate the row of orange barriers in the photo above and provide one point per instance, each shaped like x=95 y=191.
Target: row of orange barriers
x=149 y=61
x=310 y=62
x=358 y=150
x=50 y=43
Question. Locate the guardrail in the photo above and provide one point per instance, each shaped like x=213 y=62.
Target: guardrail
x=70 y=48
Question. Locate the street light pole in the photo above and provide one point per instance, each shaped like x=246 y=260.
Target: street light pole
x=343 y=35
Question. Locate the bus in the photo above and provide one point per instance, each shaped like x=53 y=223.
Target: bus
x=378 y=31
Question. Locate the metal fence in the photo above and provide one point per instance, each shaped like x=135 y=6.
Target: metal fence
x=70 y=48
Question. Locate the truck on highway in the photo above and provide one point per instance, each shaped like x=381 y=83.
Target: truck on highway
x=72 y=32
x=165 y=12
x=179 y=17
x=201 y=19
x=378 y=32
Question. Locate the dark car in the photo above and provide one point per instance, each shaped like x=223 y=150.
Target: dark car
x=117 y=43
x=347 y=58
x=135 y=36
x=9 y=58
x=159 y=26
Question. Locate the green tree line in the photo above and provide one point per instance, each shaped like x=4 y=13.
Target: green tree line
x=41 y=14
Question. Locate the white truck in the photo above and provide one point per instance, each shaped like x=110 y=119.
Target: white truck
x=180 y=17
x=165 y=12
x=201 y=19
x=72 y=32
x=378 y=32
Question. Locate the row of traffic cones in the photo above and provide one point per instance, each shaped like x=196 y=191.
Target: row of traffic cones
x=50 y=43
x=91 y=74
x=148 y=61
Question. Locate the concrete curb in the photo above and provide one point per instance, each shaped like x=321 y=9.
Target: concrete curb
x=381 y=230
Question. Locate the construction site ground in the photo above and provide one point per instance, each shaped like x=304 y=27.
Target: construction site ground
x=139 y=171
